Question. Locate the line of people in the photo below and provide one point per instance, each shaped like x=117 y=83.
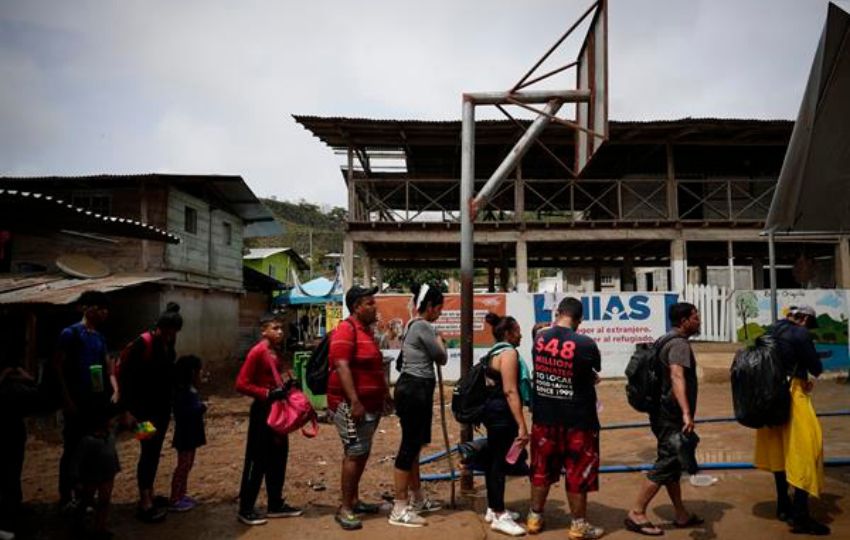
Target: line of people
x=149 y=383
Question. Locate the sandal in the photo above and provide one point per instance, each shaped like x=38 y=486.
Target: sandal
x=644 y=528
x=693 y=521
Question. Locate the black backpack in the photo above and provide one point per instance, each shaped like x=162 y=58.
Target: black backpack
x=318 y=369
x=643 y=375
x=760 y=385
x=470 y=394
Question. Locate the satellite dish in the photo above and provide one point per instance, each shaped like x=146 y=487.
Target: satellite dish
x=82 y=266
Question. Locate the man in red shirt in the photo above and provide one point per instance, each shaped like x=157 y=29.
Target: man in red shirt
x=266 y=451
x=357 y=393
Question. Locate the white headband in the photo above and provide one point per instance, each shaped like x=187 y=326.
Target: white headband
x=421 y=296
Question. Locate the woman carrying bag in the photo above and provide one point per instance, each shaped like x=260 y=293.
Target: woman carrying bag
x=422 y=348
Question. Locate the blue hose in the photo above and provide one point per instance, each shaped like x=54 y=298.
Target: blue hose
x=735 y=465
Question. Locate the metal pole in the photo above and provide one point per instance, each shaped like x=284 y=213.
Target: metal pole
x=467 y=189
x=774 y=309
x=531 y=96
x=520 y=148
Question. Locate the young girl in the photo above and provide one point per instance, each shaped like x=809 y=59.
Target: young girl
x=188 y=428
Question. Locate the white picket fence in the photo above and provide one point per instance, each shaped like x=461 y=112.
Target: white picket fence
x=714 y=306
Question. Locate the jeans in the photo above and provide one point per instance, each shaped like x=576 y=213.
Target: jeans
x=502 y=430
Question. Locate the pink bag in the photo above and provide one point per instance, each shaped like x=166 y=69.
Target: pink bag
x=294 y=412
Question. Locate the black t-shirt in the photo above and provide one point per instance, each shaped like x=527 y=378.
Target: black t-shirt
x=796 y=349
x=677 y=351
x=564 y=379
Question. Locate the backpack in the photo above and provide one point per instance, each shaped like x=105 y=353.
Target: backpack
x=147 y=339
x=470 y=394
x=643 y=375
x=318 y=368
x=760 y=386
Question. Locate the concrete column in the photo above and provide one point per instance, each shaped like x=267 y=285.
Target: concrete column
x=521 y=266
x=842 y=263
x=627 y=274
x=367 y=270
x=678 y=266
x=758 y=273
x=491 y=278
x=379 y=275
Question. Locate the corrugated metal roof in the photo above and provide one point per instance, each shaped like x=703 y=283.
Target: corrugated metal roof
x=59 y=290
x=262 y=253
x=231 y=189
x=21 y=209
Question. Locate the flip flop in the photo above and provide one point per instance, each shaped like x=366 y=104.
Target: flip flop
x=642 y=528
x=693 y=521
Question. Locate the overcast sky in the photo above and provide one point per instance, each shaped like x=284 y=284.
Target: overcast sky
x=209 y=86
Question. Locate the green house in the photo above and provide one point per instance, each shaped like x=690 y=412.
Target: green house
x=275 y=262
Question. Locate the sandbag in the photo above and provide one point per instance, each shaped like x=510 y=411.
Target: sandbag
x=760 y=386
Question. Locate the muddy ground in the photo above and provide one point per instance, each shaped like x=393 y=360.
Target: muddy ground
x=738 y=505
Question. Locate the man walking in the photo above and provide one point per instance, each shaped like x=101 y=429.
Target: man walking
x=357 y=393
x=565 y=424
x=675 y=414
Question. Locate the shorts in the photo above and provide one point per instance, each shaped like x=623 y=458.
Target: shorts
x=667 y=467
x=96 y=460
x=358 y=442
x=573 y=449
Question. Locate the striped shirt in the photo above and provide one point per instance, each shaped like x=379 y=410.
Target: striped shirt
x=365 y=362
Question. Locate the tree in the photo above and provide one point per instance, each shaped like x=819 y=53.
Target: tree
x=747 y=306
x=404 y=278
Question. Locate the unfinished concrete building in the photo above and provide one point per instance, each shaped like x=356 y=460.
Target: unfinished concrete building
x=661 y=205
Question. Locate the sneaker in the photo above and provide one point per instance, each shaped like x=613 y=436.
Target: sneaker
x=490 y=515
x=183 y=505
x=154 y=514
x=284 y=511
x=426 y=505
x=534 y=522
x=581 y=529
x=251 y=517
x=348 y=521
x=407 y=518
x=361 y=507
x=6 y=535
x=505 y=524
x=807 y=525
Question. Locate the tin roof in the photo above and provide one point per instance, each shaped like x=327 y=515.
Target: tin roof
x=59 y=289
x=27 y=210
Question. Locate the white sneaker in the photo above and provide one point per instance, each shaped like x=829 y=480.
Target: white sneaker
x=505 y=524
x=407 y=518
x=581 y=529
x=490 y=515
x=426 y=505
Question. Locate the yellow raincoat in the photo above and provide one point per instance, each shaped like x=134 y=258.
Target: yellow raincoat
x=796 y=447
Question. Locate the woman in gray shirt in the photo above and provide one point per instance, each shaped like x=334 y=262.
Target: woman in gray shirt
x=414 y=400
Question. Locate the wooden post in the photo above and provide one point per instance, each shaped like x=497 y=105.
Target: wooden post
x=672 y=191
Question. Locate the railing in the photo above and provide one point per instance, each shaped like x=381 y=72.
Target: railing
x=568 y=201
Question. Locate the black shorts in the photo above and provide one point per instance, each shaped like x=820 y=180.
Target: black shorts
x=414 y=405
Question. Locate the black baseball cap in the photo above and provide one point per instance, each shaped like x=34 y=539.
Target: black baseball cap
x=357 y=292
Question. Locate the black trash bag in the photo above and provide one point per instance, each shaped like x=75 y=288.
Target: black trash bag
x=760 y=385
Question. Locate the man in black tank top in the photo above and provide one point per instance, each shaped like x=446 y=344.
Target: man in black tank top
x=565 y=428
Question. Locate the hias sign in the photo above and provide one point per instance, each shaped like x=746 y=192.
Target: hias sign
x=615 y=309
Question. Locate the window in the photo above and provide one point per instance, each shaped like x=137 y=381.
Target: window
x=228 y=233
x=190 y=223
x=271 y=270
x=99 y=204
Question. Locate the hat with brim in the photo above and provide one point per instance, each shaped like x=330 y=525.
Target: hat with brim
x=811 y=313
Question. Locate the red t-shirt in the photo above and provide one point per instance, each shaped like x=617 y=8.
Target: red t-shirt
x=365 y=362
x=256 y=377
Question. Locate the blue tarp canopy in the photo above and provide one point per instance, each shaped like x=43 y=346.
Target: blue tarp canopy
x=318 y=291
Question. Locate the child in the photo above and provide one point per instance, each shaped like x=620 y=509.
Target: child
x=95 y=467
x=188 y=428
